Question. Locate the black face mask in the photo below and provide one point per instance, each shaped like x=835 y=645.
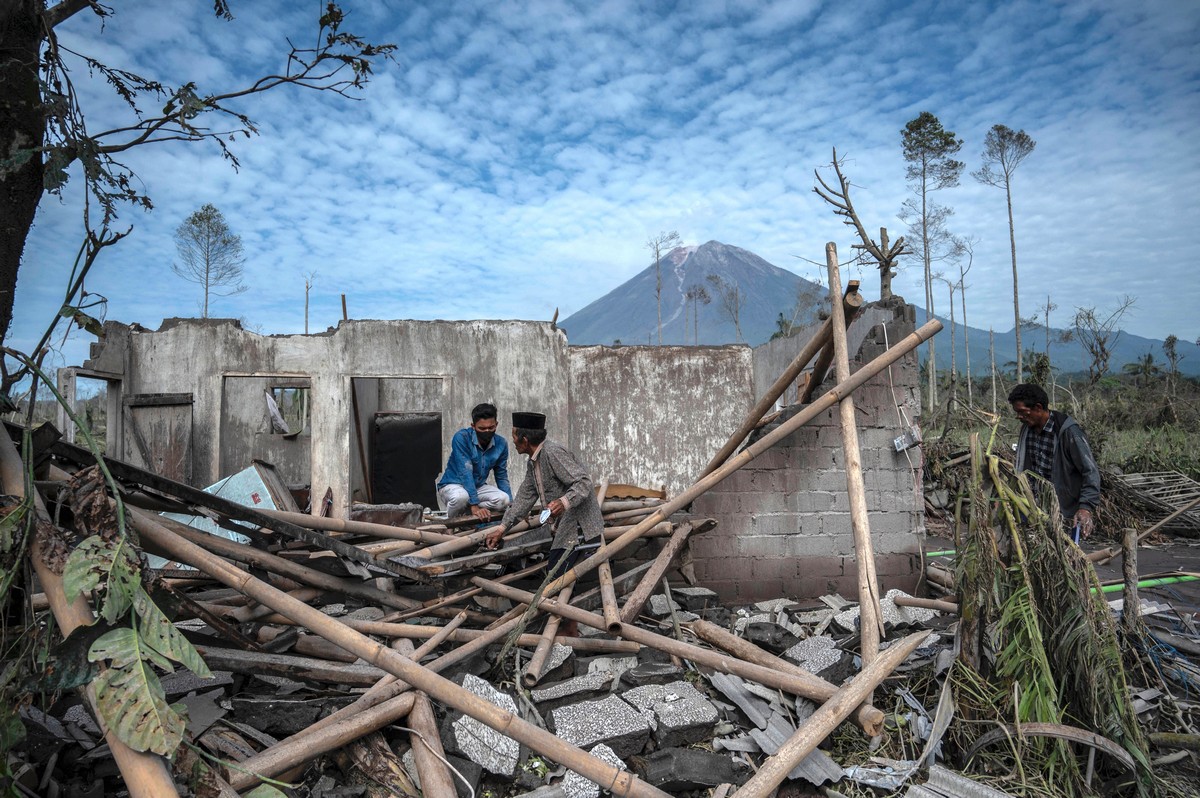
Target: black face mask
x=484 y=437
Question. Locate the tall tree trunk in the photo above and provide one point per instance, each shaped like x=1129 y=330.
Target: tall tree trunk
x=928 y=290
x=962 y=288
x=953 y=351
x=1012 y=245
x=992 y=351
x=21 y=128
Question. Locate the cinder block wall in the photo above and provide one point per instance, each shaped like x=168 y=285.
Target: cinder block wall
x=784 y=520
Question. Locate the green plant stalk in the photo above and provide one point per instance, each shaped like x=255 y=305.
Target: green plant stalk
x=1157 y=581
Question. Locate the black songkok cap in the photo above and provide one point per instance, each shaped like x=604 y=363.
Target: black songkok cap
x=529 y=420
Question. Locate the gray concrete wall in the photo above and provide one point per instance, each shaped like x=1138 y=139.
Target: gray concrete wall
x=514 y=364
x=784 y=520
x=654 y=415
x=650 y=416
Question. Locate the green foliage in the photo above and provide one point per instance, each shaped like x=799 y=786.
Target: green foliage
x=109 y=565
x=160 y=635
x=130 y=697
x=1037 y=644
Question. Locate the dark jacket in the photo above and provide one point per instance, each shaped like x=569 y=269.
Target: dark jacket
x=563 y=477
x=1074 y=473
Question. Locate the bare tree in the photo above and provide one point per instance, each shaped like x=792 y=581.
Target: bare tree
x=929 y=149
x=1098 y=333
x=663 y=242
x=885 y=256
x=730 y=300
x=951 y=284
x=697 y=295
x=1052 y=337
x=965 y=254
x=1003 y=151
x=211 y=255
x=309 y=279
x=44 y=126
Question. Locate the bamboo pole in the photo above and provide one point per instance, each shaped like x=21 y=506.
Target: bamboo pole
x=324 y=524
x=533 y=671
x=818 y=726
x=1131 y=610
x=618 y=781
x=825 y=359
x=460 y=596
x=928 y=604
x=145 y=775
x=310 y=669
x=249 y=555
x=641 y=594
x=608 y=594
x=426 y=742
x=870 y=625
x=807 y=685
x=311 y=742
x=810 y=412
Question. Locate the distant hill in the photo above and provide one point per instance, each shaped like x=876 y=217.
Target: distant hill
x=628 y=314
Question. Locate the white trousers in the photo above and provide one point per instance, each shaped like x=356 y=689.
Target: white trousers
x=455 y=501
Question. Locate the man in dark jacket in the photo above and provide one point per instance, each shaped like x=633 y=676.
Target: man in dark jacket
x=1052 y=445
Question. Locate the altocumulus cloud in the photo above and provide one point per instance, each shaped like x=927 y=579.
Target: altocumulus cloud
x=517 y=155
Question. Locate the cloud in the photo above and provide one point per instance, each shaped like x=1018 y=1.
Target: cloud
x=516 y=156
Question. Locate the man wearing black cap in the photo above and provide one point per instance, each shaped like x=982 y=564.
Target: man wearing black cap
x=562 y=484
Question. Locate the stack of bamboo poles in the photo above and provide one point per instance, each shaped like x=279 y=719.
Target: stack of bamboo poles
x=271 y=584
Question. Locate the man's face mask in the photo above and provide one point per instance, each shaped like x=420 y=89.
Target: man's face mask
x=485 y=430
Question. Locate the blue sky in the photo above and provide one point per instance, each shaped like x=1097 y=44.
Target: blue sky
x=518 y=155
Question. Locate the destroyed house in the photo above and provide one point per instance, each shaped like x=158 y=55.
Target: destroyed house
x=365 y=413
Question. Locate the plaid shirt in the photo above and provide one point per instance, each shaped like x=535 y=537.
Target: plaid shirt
x=1040 y=455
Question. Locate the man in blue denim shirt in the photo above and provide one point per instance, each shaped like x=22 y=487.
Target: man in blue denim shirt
x=475 y=452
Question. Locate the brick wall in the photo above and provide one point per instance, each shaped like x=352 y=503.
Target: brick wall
x=784 y=520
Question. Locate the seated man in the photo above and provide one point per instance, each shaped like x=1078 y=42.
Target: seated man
x=475 y=452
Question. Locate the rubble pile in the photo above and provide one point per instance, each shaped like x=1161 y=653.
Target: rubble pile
x=663 y=696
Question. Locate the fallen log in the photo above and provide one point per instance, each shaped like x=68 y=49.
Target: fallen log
x=290 y=667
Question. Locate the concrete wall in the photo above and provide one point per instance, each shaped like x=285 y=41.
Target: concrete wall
x=784 y=520
x=654 y=415
x=650 y=416
x=514 y=364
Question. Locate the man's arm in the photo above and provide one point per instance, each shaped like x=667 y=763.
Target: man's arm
x=569 y=471
x=1080 y=454
x=501 y=469
x=460 y=469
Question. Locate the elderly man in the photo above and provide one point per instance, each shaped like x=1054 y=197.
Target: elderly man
x=475 y=453
x=562 y=484
x=1052 y=445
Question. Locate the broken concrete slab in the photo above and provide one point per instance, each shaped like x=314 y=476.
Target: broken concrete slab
x=572 y=691
x=659 y=607
x=576 y=786
x=681 y=712
x=821 y=656
x=611 y=721
x=483 y=745
x=651 y=673
x=680 y=769
x=695 y=599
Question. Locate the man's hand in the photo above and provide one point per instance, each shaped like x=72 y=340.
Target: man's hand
x=482 y=513
x=556 y=508
x=1084 y=520
x=494 y=534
